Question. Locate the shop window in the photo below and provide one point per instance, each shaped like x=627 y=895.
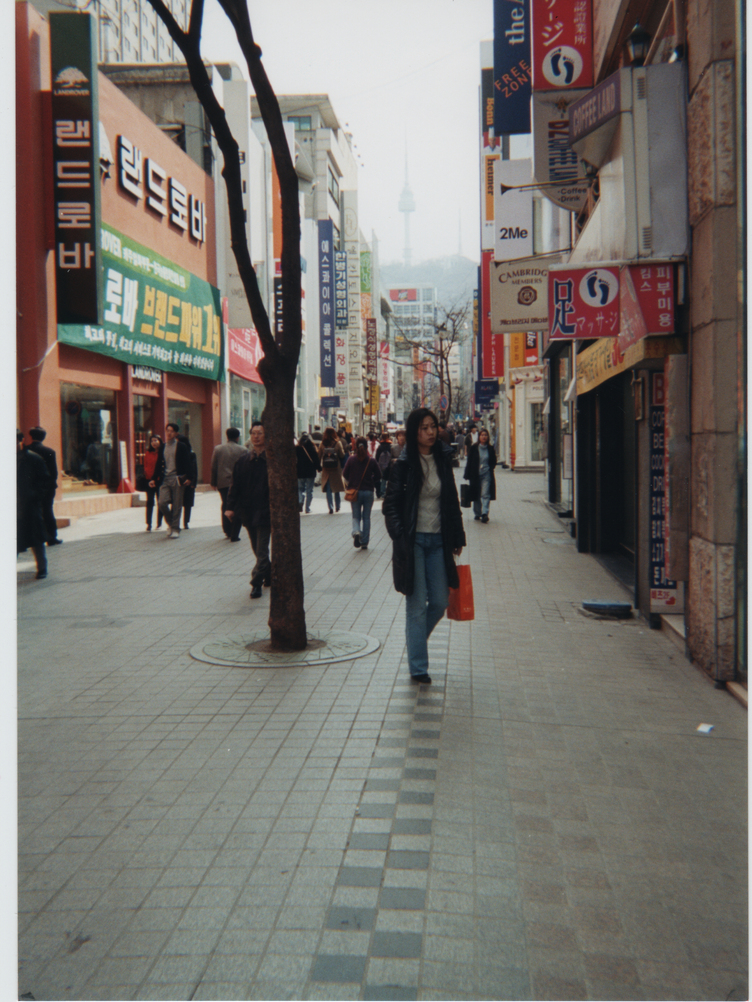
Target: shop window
x=89 y=425
x=537 y=432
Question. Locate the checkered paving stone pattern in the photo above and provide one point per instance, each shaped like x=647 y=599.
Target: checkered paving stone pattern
x=543 y=822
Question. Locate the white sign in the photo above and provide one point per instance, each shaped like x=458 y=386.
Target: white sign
x=519 y=294
x=513 y=209
x=555 y=163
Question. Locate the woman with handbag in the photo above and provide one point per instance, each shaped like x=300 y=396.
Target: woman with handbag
x=150 y=462
x=424 y=522
x=331 y=455
x=479 y=470
x=362 y=476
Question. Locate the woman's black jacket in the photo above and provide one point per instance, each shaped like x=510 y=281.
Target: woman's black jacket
x=401 y=513
x=472 y=471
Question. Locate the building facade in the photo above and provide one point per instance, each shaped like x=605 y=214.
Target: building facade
x=119 y=316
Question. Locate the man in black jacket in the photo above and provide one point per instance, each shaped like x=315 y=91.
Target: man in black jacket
x=248 y=500
x=171 y=475
x=37 y=436
x=32 y=486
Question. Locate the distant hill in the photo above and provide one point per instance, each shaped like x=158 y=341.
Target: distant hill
x=455 y=277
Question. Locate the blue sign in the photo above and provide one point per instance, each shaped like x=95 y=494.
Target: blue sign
x=329 y=401
x=513 y=76
x=485 y=391
x=326 y=301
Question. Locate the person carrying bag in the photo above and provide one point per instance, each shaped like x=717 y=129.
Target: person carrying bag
x=361 y=497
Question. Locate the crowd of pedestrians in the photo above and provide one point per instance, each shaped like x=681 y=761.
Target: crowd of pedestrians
x=412 y=472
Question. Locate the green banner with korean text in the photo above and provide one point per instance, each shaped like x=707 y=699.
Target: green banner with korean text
x=153 y=313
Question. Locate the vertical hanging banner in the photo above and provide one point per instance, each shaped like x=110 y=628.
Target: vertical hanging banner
x=326 y=299
x=562 y=44
x=340 y=289
x=492 y=345
x=75 y=124
x=665 y=595
x=512 y=67
x=372 y=371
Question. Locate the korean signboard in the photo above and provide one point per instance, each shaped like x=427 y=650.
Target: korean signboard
x=519 y=294
x=491 y=355
x=513 y=209
x=340 y=289
x=326 y=300
x=76 y=190
x=243 y=349
x=278 y=309
x=371 y=350
x=350 y=376
x=562 y=44
x=665 y=595
x=555 y=163
x=646 y=302
x=512 y=67
x=154 y=313
x=583 y=302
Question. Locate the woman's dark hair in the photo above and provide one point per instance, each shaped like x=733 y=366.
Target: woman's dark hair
x=414 y=420
x=329 y=434
x=150 y=447
x=361 y=445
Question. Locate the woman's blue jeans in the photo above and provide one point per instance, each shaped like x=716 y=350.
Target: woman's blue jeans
x=328 y=489
x=481 y=507
x=361 y=516
x=430 y=597
x=305 y=491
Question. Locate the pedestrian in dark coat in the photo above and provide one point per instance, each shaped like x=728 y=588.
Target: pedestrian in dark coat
x=189 y=491
x=248 y=500
x=479 y=470
x=424 y=521
x=172 y=474
x=37 y=436
x=32 y=486
x=308 y=465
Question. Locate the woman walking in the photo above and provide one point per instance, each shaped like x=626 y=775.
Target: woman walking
x=479 y=470
x=307 y=467
x=424 y=521
x=150 y=462
x=331 y=455
x=361 y=473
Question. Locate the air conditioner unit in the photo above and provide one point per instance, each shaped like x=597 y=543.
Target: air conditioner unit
x=632 y=128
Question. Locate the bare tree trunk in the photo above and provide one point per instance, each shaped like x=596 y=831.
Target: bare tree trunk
x=279 y=365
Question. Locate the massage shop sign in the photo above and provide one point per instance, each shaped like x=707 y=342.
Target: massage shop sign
x=154 y=313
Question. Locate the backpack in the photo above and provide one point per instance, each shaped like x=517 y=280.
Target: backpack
x=329 y=460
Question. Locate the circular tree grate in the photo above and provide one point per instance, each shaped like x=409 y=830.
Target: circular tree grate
x=254 y=650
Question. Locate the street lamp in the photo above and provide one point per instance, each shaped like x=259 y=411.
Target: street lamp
x=638 y=45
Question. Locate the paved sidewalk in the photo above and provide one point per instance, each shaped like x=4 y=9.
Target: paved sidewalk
x=543 y=822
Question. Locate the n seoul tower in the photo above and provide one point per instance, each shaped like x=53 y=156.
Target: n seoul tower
x=407 y=205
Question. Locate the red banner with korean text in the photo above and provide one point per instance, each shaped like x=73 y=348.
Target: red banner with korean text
x=243 y=349
x=562 y=44
x=583 y=302
x=492 y=345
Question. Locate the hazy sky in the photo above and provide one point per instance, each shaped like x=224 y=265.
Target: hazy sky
x=397 y=71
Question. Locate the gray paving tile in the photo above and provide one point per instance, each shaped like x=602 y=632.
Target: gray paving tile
x=340 y=917
x=342 y=968
x=366 y=841
x=410 y=773
x=407 y=860
x=396 y=944
x=402 y=898
x=360 y=876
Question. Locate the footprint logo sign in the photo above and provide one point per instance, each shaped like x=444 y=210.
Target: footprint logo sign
x=562 y=66
x=599 y=287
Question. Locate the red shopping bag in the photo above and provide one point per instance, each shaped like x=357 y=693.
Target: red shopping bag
x=461 y=604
